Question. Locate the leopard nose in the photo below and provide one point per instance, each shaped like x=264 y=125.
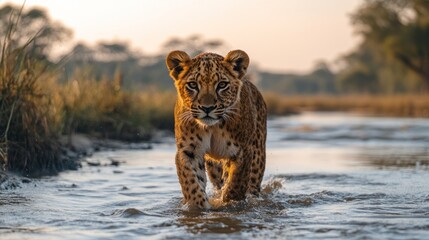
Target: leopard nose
x=207 y=110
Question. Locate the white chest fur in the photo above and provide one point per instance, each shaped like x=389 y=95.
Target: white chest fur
x=221 y=145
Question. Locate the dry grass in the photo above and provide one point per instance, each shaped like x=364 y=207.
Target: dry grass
x=29 y=120
x=102 y=109
x=394 y=105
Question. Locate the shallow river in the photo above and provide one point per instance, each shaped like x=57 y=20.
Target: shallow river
x=328 y=175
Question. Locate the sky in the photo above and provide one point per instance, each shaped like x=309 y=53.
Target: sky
x=278 y=35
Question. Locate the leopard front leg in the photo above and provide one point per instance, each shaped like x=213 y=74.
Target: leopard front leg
x=214 y=171
x=236 y=174
x=257 y=171
x=192 y=178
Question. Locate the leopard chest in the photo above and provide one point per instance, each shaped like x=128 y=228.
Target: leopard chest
x=222 y=145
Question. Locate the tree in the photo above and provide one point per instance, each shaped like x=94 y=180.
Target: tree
x=360 y=72
x=398 y=31
x=319 y=81
x=33 y=23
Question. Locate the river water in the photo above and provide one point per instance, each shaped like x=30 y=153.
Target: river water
x=329 y=175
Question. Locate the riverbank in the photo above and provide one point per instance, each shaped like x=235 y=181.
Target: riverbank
x=405 y=105
x=75 y=149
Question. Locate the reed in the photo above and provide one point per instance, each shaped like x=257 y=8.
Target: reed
x=29 y=123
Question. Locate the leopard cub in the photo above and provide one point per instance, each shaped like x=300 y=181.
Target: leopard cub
x=220 y=125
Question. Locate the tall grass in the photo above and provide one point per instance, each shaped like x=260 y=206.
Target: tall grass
x=28 y=117
x=35 y=110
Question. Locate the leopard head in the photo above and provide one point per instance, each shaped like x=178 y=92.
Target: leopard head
x=208 y=85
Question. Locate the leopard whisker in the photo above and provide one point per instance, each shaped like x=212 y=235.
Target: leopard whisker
x=185 y=116
x=226 y=117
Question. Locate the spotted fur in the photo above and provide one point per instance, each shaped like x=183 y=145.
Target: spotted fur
x=220 y=126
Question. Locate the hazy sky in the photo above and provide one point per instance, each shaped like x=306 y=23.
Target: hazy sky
x=280 y=35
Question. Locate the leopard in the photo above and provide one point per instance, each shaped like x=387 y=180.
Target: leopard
x=220 y=127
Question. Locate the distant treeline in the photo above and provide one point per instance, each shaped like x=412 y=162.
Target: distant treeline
x=320 y=81
x=393 y=56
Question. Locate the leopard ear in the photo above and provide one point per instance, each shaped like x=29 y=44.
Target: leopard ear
x=238 y=60
x=176 y=62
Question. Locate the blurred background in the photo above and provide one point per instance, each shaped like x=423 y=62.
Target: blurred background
x=83 y=85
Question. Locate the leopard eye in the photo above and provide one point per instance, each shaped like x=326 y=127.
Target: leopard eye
x=192 y=85
x=222 y=85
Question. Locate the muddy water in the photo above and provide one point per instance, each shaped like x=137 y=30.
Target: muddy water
x=328 y=176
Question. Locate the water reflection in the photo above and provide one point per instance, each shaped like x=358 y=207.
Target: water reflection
x=407 y=157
